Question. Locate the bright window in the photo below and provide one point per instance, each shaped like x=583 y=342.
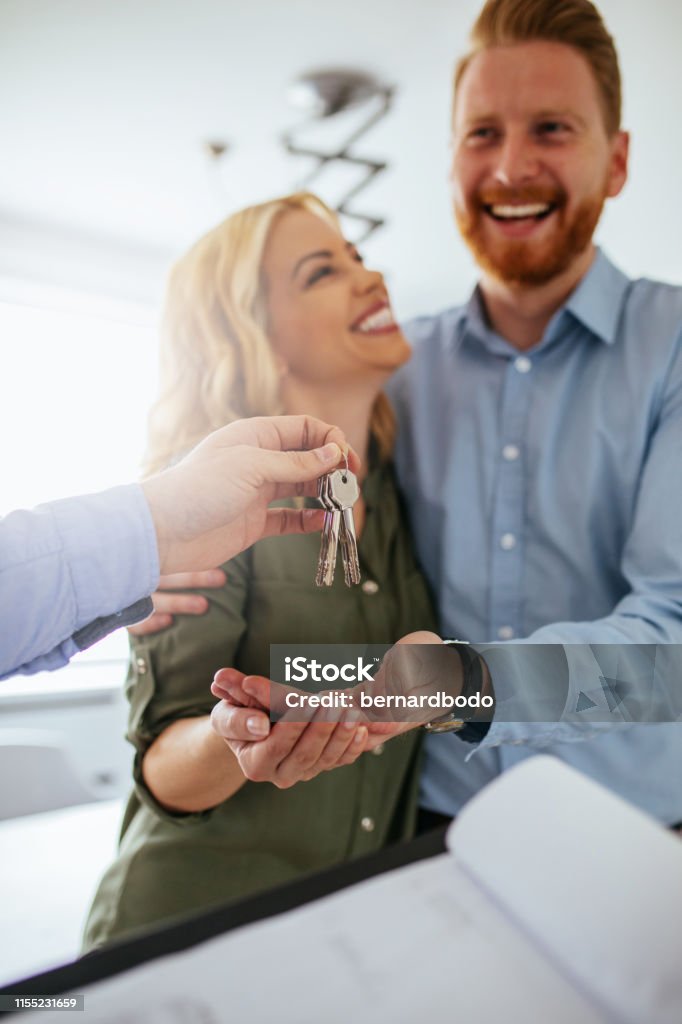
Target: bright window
x=75 y=389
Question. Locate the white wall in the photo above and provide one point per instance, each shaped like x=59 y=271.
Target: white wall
x=105 y=108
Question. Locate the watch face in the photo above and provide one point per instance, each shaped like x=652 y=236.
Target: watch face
x=446 y=723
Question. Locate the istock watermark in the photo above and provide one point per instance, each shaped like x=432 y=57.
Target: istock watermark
x=393 y=683
x=510 y=682
x=303 y=670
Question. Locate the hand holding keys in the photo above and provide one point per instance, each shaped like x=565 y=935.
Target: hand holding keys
x=338 y=492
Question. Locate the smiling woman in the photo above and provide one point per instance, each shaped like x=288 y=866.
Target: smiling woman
x=331 y=323
x=273 y=311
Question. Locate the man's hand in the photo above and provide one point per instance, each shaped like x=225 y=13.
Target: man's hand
x=287 y=752
x=214 y=503
x=171 y=599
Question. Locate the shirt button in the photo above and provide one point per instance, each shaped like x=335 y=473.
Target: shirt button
x=510 y=452
x=367 y=824
x=141 y=665
x=378 y=751
x=505 y=633
x=370 y=587
x=522 y=364
x=507 y=541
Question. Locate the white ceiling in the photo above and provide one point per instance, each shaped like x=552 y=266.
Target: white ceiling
x=105 y=107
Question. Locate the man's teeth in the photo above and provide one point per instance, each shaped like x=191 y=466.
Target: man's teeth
x=382 y=318
x=517 y=212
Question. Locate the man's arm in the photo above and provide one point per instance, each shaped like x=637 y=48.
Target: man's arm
x=634 y=653
x=74 y=570
x=66 y=571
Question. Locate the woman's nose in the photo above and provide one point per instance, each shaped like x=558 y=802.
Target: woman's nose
x=367 y=279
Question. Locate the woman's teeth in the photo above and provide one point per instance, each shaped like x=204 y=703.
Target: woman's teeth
x=382 y=318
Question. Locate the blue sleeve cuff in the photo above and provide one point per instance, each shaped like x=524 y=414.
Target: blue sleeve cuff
x=110 y=548
x=72 y=571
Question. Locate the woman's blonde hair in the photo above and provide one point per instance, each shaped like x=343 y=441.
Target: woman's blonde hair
x=216 y=363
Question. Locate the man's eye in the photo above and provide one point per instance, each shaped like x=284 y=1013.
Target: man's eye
x=357 y=256
x=324 y=270
x=551 y=128
x=484 y=133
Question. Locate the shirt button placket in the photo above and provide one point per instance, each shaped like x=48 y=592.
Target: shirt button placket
x=507 y=522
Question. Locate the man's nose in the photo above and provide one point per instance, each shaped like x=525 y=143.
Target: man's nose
x=516 y=161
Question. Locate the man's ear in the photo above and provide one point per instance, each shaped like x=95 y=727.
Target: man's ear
x=618 y=166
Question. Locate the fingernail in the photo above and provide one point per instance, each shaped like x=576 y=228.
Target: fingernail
x=330 y=453
x=256 y=726
x=360 y=736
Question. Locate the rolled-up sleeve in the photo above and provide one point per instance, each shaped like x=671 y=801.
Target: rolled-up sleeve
x=170 y=673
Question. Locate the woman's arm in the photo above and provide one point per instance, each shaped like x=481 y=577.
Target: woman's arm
x=181 y=765
x=189 y=768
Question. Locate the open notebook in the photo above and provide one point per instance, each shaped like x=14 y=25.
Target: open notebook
x=557 y=902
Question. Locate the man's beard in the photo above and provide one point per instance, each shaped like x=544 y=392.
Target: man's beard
x=527 y=261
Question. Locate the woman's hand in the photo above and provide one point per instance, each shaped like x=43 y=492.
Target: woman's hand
x=287 y=752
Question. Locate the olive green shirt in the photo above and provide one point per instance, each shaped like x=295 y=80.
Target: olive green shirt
x=174 y=864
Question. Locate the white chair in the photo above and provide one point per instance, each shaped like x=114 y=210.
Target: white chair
x=37 y=774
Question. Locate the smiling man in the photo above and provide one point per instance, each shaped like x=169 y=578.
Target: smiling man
x=536 y=154
x=540 y=441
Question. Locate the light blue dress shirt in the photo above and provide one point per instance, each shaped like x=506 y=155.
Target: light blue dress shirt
x=72 y=571
x=544 y=490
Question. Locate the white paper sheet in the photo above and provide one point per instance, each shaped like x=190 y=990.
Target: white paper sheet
x=594 y=882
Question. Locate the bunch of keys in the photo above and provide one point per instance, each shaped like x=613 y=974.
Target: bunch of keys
x=338 y=492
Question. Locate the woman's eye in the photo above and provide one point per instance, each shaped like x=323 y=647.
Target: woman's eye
x=357 y=256
x=324 y=270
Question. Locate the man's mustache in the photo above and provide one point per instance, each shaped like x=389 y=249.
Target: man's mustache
x=521 y=196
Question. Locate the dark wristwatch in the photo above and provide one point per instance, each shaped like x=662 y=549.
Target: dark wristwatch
x=472 y=681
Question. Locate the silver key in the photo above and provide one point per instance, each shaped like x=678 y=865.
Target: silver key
x=330 y=536
x=343 y=492
x=324 y=540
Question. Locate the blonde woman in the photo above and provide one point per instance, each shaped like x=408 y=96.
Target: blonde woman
x=271 y=312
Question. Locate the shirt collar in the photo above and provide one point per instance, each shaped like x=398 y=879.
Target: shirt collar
x=596 y=303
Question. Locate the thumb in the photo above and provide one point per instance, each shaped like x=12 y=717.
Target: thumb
x=296 y=467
